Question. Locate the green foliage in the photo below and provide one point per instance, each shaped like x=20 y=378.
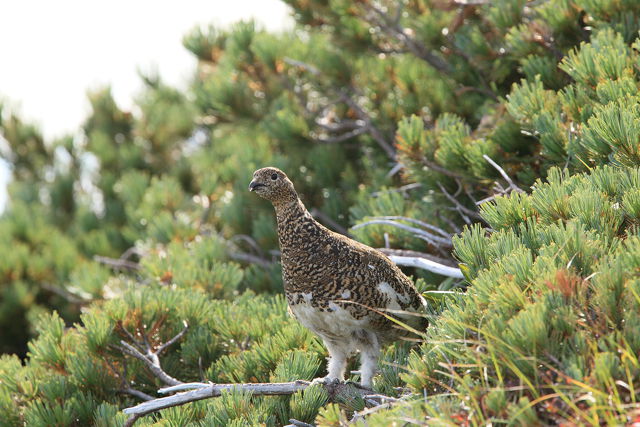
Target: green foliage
x=549 y=304
x=145 y=222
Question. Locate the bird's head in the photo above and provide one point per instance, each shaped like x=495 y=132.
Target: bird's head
x=272 y=184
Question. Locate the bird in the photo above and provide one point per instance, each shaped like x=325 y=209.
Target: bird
x=344 y=291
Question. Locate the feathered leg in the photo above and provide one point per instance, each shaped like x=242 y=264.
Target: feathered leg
x=369 y=352
x=337 y=360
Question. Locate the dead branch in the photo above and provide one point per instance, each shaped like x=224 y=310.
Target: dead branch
x=364 y=122
x=464 y=212
x=204 y=391
x=345 y=136
x=169 y=343
x=375 y=133
x=297 y=423
x=391 y=25
x=430 y=238
x=512 y=185
x=428 y=265
x=341 y=126
x=150 y=357
x=403 y=189
x=117 y=263
x=152 y=363
x=125 y=386
x=66 y=294
x=417 y=222
x=416 y=254
x=251 y=259
x=437 y=168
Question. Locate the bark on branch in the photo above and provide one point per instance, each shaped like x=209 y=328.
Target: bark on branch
x=428 y=265
x=206 y=391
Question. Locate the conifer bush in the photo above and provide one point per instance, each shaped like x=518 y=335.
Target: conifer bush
x=509 y=128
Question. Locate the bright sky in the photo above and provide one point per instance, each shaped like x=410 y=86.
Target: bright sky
x=51 y=52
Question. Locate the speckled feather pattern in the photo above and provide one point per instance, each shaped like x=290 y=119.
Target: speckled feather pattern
x=334 y=285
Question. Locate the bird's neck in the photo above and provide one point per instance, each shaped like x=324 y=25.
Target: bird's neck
x=290 y=211
x=292 y=217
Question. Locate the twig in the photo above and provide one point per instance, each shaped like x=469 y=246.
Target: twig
x=417 y=232
x=252 y=259
x=417 y=222
x=136 y=393
x=373 y=131
x=179 y=335
x=428 y=265
x=506 y=177
x=392 y=26
x=343 y=125
x=345 y=136
x=151 y=357
x=249 y=240
x=307 y=67
x=437 y=168
x=298 y=423
x=64 y=293
x=183 y=387
x=416 y=254
x=364 y=122
x=153 y=365
x=464 y=212
x=119 y=264
x=402 y=189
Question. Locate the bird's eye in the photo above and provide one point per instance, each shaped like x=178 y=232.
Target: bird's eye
x=274 y=176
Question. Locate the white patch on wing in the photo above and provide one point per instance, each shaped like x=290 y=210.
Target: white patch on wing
x=386 y=289
x=371 y=267
x=307 y=297
x=346 y=294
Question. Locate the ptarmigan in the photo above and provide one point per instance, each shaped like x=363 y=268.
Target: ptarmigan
x=335 y=286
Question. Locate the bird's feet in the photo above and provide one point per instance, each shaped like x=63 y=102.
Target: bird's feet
x=325 y=381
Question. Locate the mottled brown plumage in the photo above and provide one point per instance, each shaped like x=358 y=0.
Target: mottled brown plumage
x=335 y=286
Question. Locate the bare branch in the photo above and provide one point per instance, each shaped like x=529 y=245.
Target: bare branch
x=506 y=177
x=417 y=222
x=251 y=259
x=363 y=116
x=130 y=252
x=249 y=240
x=118 y=264
x=153 y=365
x=402 y=189
x=464 y=212
x=415 y=254
x=343 y=125
x=205 y=391
x=437 y=168
x=307 y=67
x=428 y=265
x=345 y=136
x=66 y=294
x=136 y=393
x=297 y=423
x=417 y=232
x=392 y=26
x=373 y=131
x=179 y=335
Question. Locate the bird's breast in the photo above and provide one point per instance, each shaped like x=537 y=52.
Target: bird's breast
x=329 y=319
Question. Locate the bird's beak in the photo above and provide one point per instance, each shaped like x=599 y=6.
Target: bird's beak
x=253 y=185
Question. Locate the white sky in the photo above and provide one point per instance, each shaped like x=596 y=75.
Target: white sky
x=52 y=52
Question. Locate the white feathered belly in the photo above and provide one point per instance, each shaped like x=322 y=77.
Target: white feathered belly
x=332 y=322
